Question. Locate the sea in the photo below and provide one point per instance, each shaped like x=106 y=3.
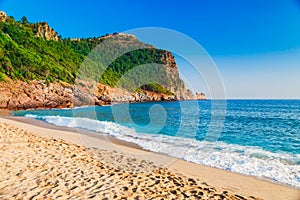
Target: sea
x=252 y=137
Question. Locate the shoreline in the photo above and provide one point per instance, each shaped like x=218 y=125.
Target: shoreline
x=222 y=179
x=7 y=111
x=116 y=141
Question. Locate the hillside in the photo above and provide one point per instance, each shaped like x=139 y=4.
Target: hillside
x=33 y=54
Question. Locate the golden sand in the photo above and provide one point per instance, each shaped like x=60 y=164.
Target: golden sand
x=54 y=160
x=34 y=167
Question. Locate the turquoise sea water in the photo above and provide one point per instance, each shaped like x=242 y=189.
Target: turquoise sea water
x=257 y=137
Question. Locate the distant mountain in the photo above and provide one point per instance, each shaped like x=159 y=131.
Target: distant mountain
x=33 y=53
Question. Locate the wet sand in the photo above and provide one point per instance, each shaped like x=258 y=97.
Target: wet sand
x=44 y=161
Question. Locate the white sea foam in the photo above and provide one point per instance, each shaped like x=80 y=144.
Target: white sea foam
x=280 y=166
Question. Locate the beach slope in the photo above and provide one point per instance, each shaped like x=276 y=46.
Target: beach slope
x=39 y=162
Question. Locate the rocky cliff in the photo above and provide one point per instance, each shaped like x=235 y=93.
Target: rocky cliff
x=110 y=95
x=35 y=73
x=36 y=94
x=166 y=75
x=177 y=86
x=39 y=94
x=200 y=96
x=3 y=16
x=45 y=31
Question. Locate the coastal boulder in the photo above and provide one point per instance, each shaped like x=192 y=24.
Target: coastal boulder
x=200 y=96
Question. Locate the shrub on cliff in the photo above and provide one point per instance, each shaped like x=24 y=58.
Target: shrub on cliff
x=155 y=87
x=3 y=77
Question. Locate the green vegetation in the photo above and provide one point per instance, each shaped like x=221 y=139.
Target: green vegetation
x=24 y=56
x=128 y=61
x=155 y=87
x=3 y=77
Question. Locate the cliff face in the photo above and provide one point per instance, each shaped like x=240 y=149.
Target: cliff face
x=200 y=96
x=177 y=86
x=167 y=76
x=3 y=16
x=110 y=95
x=57 y=69
x=45 y=31
x=37 y=94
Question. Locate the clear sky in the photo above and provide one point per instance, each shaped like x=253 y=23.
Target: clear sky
x=255 y=44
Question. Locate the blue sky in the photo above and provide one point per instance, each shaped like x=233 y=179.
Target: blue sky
x=255 y=44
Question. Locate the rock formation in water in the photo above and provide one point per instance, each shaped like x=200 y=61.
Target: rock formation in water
x=200 y=96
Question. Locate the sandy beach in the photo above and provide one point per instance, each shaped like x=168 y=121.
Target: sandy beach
x=41 y=161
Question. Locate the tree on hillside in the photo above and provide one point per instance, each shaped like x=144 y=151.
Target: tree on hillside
x=24 y=20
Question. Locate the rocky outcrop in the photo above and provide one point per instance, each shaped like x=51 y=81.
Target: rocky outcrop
x=111 y=95
x=200 y=96
x=36 y=94
x=3 y=16
x=45 y=31
x=169 y=77
x=177 y=85
x=168 y=59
